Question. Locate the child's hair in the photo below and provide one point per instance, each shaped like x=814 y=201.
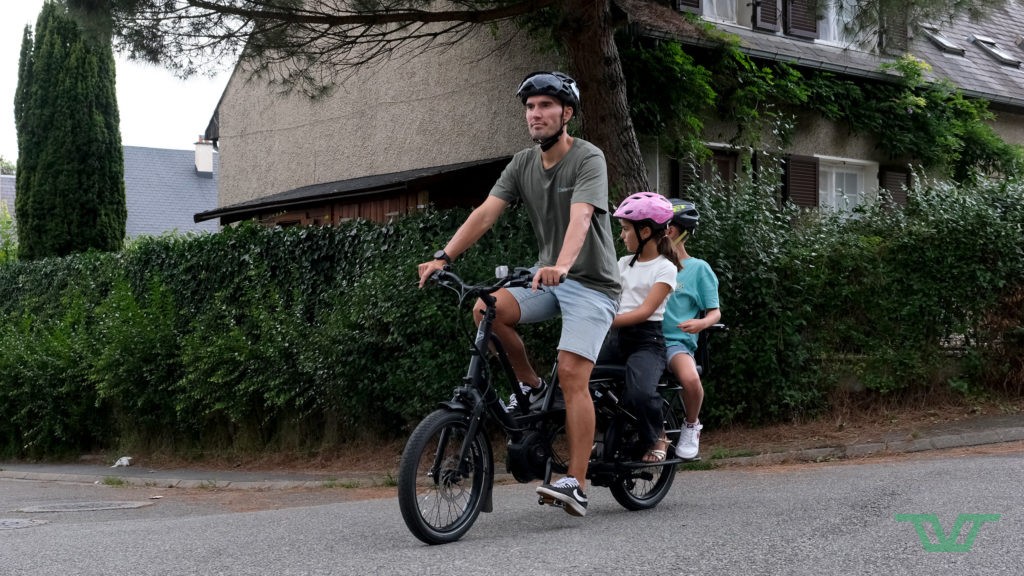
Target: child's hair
x=660 y=236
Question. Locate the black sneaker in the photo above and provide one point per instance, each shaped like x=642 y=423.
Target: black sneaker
x=533 y=395
x=566 y=494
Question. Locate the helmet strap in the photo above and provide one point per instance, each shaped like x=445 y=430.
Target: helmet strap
x=639 y=248
x=682 y=236
x=547 y=143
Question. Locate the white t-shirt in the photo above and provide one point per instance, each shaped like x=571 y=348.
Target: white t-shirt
x=637 y=281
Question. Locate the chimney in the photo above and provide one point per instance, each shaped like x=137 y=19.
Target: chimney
x=204 y=157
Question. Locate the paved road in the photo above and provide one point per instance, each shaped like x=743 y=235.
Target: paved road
x=801 y=520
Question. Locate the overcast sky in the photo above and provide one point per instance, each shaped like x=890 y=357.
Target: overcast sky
x=157 y=109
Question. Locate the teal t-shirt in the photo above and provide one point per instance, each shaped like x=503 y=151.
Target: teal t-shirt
x=696 y=291
x=581 y=176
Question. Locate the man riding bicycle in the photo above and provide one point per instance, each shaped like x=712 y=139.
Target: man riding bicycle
x=563 y=184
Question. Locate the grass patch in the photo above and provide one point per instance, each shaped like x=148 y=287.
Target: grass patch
x=723 y=453
x=347 y=484
x=697 y=466
x=113 y=481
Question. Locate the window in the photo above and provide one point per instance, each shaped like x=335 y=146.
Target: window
x=843 y=184
x=943 y=43
x=833 y=21
x=989 y=45
x=722 y=10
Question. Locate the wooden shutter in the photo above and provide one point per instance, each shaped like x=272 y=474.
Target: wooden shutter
x=800 y=181
x=684 y=175
x=766 y=15
x=802 y=18
x=726 y=163
x=693 y=6
x=897 y=181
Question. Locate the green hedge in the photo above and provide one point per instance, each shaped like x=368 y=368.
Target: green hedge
x=248 y=339
x=299 y=339
x=881 y=302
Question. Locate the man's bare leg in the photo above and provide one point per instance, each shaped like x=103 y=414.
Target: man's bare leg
x=506 y=318
x=574 y=377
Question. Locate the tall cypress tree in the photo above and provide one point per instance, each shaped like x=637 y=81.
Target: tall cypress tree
x=70 y=177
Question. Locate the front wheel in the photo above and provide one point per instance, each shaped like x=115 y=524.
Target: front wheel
x=439 y=499
x=644 y=488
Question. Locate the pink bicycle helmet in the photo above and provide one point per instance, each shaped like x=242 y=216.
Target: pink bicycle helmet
x=643 y=206
x=646 y=209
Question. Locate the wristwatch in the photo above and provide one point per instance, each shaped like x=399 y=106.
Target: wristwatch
x=442 y=255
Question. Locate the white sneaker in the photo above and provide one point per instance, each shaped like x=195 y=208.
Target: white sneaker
x=689 y=441
x=513 y=400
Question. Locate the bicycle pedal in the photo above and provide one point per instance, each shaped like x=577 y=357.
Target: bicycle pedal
x=548 y=500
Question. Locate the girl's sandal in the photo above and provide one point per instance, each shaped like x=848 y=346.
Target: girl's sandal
x=657 y=454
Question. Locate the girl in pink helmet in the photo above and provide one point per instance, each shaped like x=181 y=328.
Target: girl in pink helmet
x=636 y=339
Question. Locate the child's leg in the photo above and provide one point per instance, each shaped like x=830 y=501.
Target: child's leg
x=692 y=394
x=644 y=368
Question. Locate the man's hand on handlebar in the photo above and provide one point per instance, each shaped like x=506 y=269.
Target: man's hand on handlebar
x=549 y=276
x=426 y=269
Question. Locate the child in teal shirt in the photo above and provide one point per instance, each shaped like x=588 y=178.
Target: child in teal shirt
x=696 y=291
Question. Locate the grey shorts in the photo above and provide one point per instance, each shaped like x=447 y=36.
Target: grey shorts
x=674 y=349
x=586 y=314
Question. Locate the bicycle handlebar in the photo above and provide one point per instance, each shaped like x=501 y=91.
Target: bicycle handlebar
x=518 y=277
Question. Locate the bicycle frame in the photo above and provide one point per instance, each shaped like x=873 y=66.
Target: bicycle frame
x=476 y=395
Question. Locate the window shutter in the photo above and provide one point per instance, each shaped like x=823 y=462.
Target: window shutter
x=802 y=18
x=766 y=15
x=896 y=181
x=684 y=175
x=689 y=6
x=726 y=164
x=801 y=181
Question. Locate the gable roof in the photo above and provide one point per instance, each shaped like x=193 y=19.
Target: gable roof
x=163 y=190
x=976 y=73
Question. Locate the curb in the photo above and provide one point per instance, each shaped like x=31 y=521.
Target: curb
x=211 y=484
x=994 y=436
x=825 y=454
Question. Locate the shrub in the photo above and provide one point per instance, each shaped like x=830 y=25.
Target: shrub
x=297 y=339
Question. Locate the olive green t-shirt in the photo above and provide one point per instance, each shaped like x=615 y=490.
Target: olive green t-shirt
x=581 y=176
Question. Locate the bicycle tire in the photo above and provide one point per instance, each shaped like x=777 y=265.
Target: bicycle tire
x=644 y=488
x=438 y=504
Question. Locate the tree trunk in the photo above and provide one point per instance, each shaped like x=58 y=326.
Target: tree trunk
x=589 y=38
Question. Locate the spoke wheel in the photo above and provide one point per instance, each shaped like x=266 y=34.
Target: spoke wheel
x=438 y=502
x=644 y=488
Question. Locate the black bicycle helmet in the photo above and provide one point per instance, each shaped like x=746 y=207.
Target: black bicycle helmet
x=554 y=84
x=684 y=214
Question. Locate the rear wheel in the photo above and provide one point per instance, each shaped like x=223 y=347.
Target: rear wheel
x=438 y=502
x=643 y=488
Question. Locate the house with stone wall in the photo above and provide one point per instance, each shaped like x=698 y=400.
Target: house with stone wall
x=438 y=128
